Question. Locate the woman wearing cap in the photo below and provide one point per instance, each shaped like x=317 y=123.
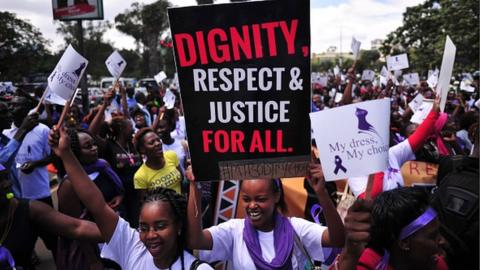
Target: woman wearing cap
x=400 y=231
x=266 y=239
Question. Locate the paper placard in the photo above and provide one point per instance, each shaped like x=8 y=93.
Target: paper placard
x=416 y=102
x=446 y=72
x=64 y=79
x=115 y=64
x=412 y=78
x=52 y=98
x=422 y=111
x=368 y=75
x=357 y=147
x=466 y=86
x=397 y=62
x=336 y=70
x=169 y=99
x=433 y=78
x=384 y=72
x=355 y=47
x=160 y=77
x=338 y=97
x=323 y=80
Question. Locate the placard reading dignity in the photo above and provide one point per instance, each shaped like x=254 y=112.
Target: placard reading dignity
x=67 y=74
x=357 y=147
x=245 y=75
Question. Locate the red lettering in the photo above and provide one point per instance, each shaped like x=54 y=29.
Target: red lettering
x=280 y=148
x=289 y=35
x=225 y=53
x=206 y=140
x=222 y=143
x=237 y=141
x=272 y=43
x=256 y=145
x=239 y=43
x=268 y=142
x=430 y=169
x=413 y=166
x=180 y=40
x=201 y=47
x=257 y=39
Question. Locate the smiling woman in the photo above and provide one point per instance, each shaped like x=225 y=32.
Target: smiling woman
x=158 y=243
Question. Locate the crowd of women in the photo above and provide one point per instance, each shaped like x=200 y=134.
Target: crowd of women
x=127 y=197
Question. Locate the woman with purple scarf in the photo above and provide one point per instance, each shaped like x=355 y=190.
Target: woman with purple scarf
x=266 y=238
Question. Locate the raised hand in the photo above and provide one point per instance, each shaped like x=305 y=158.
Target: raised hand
x=316 y=178
x=59 y=141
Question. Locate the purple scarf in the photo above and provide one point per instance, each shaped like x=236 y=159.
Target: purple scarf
x=283 y=235
x=102 y=166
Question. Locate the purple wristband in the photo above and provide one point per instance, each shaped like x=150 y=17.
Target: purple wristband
x=418 y=223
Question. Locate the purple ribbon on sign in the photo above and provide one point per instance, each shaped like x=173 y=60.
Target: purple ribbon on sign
x=6 y=256
x=418 y=223
x=338 y=165
x=391 y=171
x=315 y=212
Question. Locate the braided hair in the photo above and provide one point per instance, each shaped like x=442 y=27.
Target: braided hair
x=178 y=204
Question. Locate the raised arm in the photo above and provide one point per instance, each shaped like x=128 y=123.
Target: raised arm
x=123 y=100
x=335 y=235
x=347 y=94
x=97 y=121
x=55 y=222
x=86 y=190
x=197 y=238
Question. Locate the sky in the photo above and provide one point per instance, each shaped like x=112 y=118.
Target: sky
x=331 y=20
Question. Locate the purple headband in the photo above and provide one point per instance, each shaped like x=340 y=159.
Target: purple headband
x=418 y=223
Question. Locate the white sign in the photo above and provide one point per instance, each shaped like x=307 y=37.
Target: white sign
x=338 y=97
x=422 y=112
x=465 y=86
x=368 y=75
x=52 y=98
x=357 y=147
x=160 y=77
x=384 y=72
x=323 y=80
x=355 y=47
x=336 y=70
x=446 y=71
x=115 y=64
x=67 y=74
x=416 y=102
x=412 y=78
x=397 y=62
x=169 y=99
x=433 y=78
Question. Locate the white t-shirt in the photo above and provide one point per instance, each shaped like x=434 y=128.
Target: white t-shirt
x=228 y=244
x=397 y=156
x=126 y=249
x=35 y=185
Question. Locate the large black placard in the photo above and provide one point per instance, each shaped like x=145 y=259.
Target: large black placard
x=244 y=74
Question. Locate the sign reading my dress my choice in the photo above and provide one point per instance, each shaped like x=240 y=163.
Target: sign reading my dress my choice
x=359 y=145
x=245 y=75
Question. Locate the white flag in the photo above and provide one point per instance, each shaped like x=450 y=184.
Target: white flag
x=115 y=64
x=64 y=79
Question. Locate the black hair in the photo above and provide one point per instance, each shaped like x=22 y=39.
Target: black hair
x=138 y=138
x=277 y=187
x=75 y=140
x=392 y=210
x=116 y=126
x=468 y=119
x=178 y=204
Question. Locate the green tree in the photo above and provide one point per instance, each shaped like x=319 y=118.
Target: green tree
x=369 y=59
x=424 y=31
x=23 y=49
x=146 y=23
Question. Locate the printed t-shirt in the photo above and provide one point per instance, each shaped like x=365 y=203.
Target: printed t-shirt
x=166 y=177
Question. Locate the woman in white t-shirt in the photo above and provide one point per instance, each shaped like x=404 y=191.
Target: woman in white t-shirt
x=266 y=239
x=160 y=240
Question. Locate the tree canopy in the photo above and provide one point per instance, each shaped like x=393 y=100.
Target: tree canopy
x=424 y=31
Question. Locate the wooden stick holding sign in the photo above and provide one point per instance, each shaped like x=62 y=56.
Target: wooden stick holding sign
x=66 y=109
x=37 y=108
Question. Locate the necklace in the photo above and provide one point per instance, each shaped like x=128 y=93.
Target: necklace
x=129 y=155
x=9 y=223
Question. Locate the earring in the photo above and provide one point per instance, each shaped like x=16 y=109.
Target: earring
x=179 y=233
x=406 y=249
